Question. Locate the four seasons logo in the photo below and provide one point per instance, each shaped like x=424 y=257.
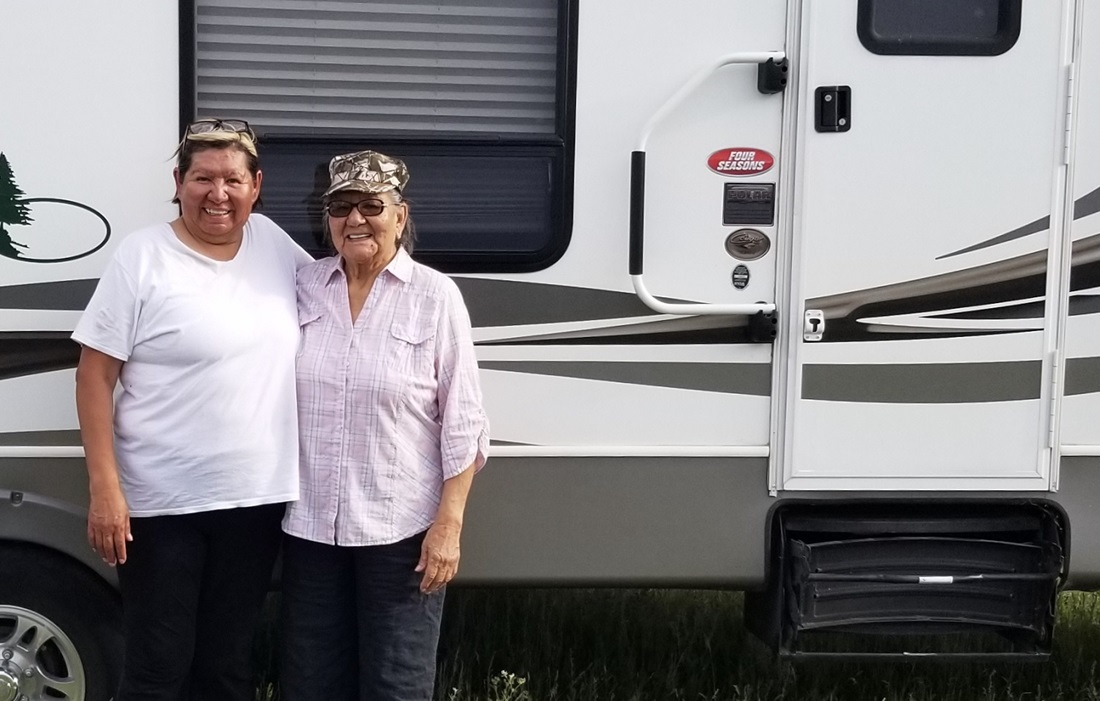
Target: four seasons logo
x=62 y=230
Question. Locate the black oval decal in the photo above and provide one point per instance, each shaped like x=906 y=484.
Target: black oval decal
x=741 y=277
x=55 y=223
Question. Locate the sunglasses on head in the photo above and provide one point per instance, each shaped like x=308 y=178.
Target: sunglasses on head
x=232 y=126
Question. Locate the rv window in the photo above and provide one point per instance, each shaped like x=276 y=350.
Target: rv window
x=939 y=27
x=474 y=95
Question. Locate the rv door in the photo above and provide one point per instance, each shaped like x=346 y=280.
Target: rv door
x=929 y=191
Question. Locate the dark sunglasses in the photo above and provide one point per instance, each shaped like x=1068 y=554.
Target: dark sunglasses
x=368 y=208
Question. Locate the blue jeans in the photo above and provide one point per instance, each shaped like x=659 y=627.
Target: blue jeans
x=355 y=625
x=192 y=589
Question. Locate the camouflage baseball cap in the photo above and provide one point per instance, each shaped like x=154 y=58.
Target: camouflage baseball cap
x=366 y=171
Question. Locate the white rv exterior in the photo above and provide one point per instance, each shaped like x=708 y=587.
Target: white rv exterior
x=915 y=214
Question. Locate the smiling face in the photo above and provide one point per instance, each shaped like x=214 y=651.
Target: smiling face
x=368 y=240
x=216 y=194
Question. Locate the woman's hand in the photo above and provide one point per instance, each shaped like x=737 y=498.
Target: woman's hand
x=439 y=556
x=439 y=552
x=109 y=524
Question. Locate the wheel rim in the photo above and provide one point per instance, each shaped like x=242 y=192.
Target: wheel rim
x=38 y=662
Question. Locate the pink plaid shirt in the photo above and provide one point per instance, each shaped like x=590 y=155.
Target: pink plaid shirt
x=388 y=407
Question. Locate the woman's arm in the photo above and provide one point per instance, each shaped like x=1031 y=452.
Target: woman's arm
x=464 y=440
x=108 y=514
x=439 y=553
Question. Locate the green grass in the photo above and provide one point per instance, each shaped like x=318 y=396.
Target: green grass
x=653 y=645
x=589 y=645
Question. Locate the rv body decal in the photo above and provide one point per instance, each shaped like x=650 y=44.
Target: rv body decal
x=63 y=295
x=907 y=308
x=35 y=352
x=59 y=438
x=1089 y=204
x=740 y=161
x=730 y=378
x=923 y=383
x=56 y=223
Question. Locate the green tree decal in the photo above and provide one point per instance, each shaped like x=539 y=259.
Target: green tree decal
x=12 y=209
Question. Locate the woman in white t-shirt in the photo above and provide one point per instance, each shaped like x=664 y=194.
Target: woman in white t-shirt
x=192 y=461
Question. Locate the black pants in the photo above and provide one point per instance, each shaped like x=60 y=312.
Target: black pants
x=192 y=589
x=355 y=625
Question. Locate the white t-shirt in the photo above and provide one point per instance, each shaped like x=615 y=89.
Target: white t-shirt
x=205 y=418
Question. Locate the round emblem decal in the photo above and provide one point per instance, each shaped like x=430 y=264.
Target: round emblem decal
x=740 y=161
x=748 y=244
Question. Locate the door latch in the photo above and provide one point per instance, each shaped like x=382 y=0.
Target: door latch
x=813 y=327
x=833 y=108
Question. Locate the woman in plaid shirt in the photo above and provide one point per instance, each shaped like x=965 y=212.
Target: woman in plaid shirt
x=391 y=432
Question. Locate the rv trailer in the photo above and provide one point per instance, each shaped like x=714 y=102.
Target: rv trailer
x=797 y=298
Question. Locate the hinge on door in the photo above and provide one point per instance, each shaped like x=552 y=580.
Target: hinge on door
x=1052 y=418
x=1067 y=151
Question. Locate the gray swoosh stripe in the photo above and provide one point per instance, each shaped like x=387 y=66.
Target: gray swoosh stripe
x=1025 y=230
x=1082 y=376
x=680 y=330
x=517 y=303
x=1029 y=310
x=490 y=302
x=932 y=383
x=72 y=295
x=32 y=352
x=730 y=378
x=1079 y=305
x=49 y=438
x=1088 y=204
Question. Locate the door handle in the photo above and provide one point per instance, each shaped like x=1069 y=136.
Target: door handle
x=833 y=108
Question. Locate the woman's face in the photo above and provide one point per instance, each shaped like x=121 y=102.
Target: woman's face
x=368 y=239
x=217 y=193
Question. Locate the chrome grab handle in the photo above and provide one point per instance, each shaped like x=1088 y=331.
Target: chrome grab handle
x=637 y=198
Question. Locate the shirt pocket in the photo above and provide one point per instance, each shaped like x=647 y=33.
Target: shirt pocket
x=308 y=323
x=308 y=316
x=410 y=348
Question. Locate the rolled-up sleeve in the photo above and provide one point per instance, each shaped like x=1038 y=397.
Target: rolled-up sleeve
x=464 y=432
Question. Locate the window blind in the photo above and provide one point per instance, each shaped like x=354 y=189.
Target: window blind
x=485 y=67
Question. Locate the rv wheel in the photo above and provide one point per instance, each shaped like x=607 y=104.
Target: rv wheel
x=60 y=629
